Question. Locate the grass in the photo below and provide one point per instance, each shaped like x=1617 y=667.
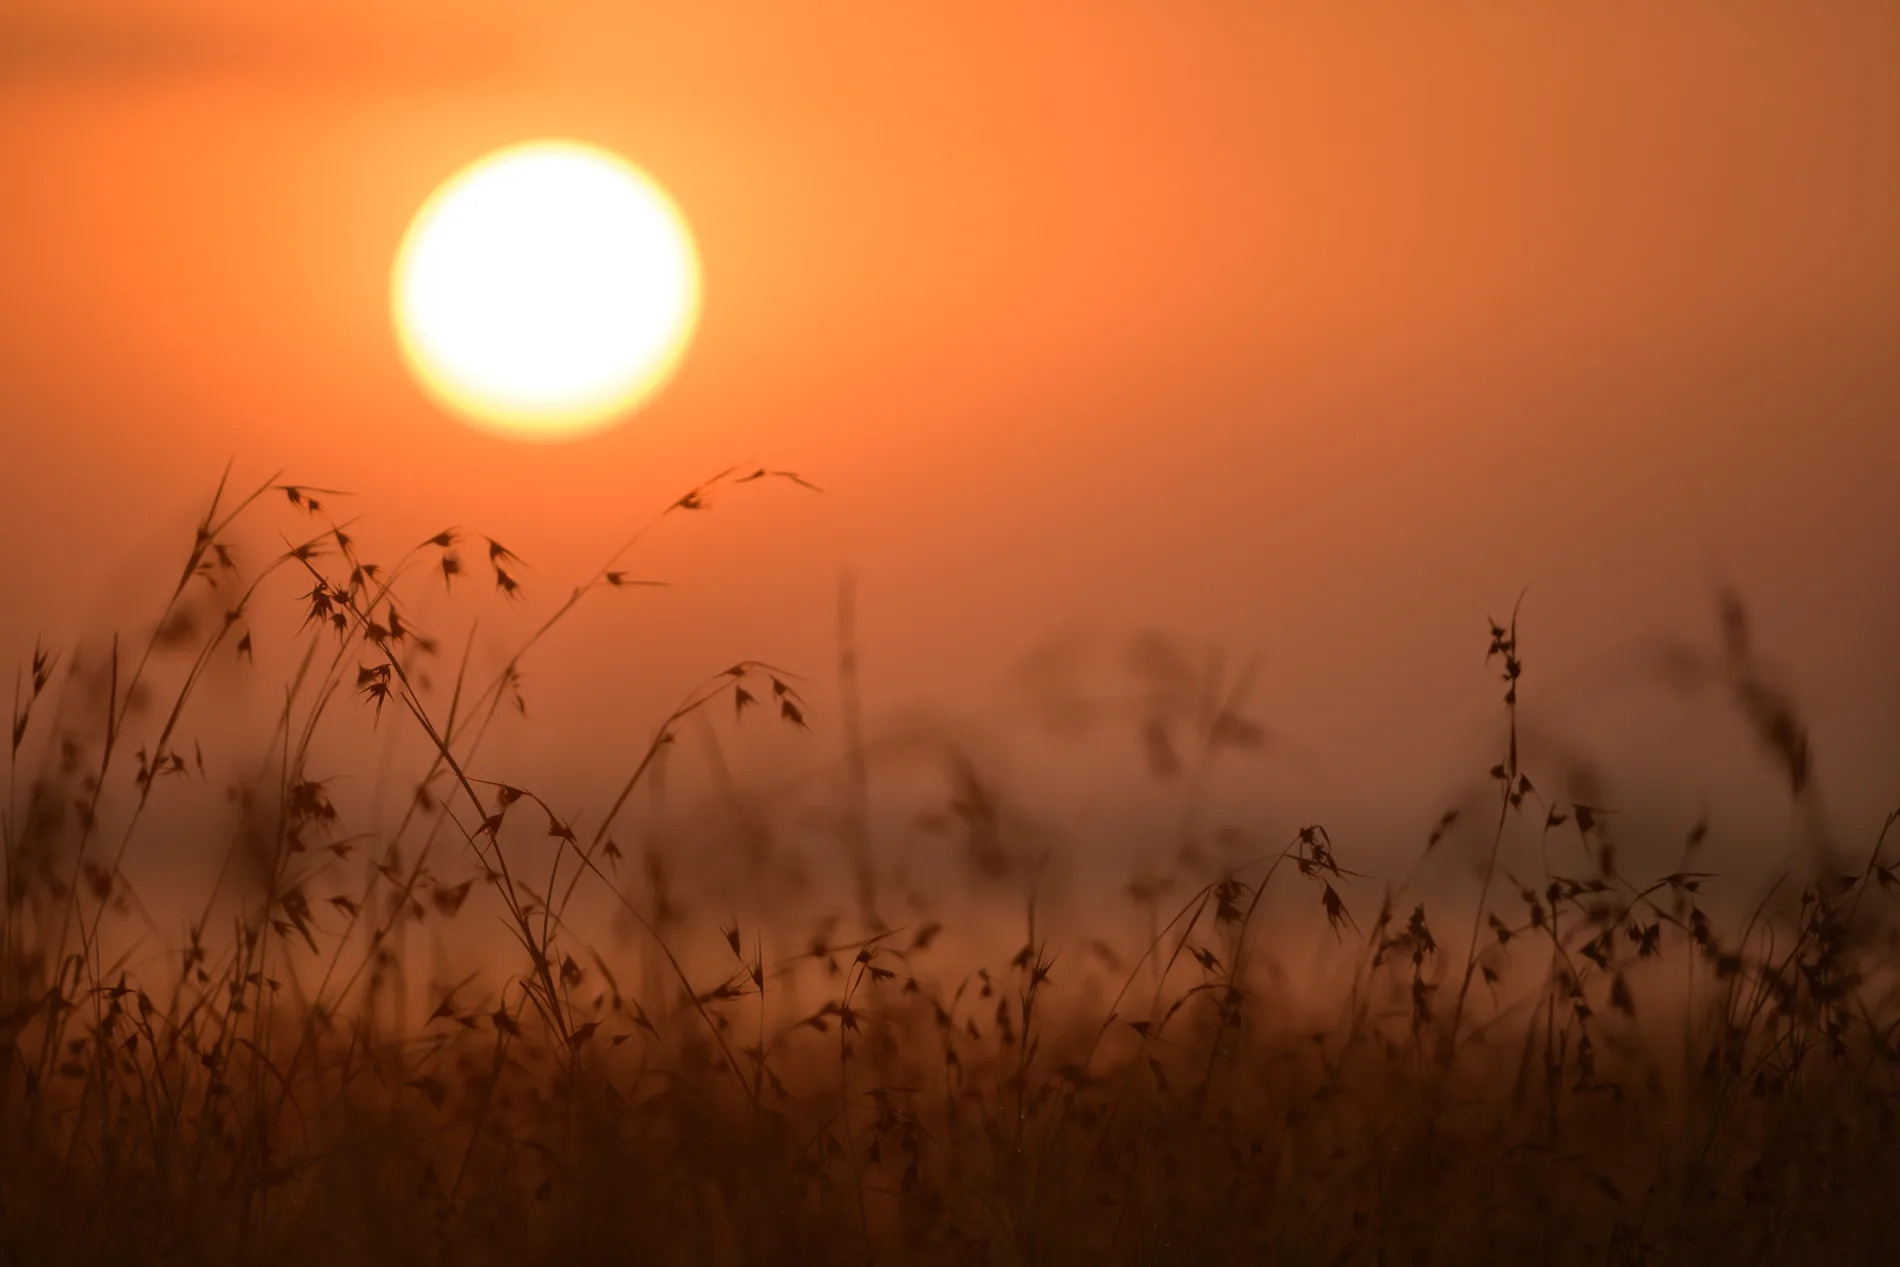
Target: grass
x=632 y=1061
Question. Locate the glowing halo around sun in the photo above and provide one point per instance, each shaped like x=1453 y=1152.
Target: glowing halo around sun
x=546 y=291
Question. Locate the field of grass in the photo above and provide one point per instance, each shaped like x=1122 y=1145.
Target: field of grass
x=1567 y=1065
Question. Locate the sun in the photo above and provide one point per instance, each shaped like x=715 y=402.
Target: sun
x=546 y=291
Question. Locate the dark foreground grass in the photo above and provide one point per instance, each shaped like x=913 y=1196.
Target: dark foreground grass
x=1563 y=1065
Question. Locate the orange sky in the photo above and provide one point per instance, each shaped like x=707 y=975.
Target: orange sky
x=1313 y=333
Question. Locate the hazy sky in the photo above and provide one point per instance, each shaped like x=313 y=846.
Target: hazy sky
x=1313 y=331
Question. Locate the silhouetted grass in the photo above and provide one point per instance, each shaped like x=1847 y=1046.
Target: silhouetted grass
x=1568 y=1064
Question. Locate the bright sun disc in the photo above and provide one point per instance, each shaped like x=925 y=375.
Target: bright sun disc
x=546 y=290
